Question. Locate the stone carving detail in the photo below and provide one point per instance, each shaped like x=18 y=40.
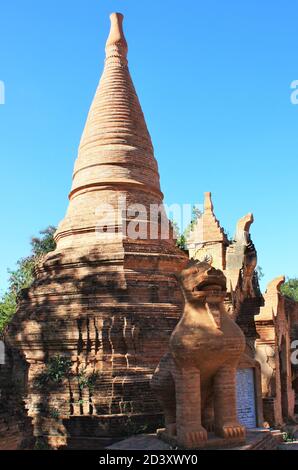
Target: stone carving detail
x=246 y=403
x=196 y=380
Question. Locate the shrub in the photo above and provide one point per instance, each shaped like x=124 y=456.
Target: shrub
x=56 y=370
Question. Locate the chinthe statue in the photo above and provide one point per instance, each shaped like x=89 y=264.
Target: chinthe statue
x=195 y=381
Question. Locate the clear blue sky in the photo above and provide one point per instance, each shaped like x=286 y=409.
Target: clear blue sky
x=214 y=80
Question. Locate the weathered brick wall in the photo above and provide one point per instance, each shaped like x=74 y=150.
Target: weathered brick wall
x=15 y=427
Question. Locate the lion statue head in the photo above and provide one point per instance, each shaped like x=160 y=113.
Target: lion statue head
x=200 y=282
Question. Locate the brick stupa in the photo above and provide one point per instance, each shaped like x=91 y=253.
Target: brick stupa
x=104 y=299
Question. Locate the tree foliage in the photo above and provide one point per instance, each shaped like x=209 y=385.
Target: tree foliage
x=45 y=243
x=8 y=305
x=290 y=288
x=22 y=277
x=181 y=238
x=56 y=370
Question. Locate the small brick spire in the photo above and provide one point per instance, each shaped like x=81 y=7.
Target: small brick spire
x=208 y=204
x=207 y=238
x=212 y=231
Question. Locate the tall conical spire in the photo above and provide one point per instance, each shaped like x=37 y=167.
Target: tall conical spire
x=116 y=151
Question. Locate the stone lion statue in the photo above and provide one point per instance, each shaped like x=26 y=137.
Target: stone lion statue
x=195 y=381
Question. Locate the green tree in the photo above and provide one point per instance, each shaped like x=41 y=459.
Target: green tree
x=8 y=305
x=290 y=288
x=45 y=243
x=181 y=238
x=22 y=277
x=196 y=214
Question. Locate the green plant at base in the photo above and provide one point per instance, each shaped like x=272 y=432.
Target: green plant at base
x=132 y=428
x=54 y=413
x=81 y=401
x=288 y=437
x=56 y=370
x=87 y=381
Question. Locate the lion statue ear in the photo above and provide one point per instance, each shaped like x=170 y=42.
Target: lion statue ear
x=184 y=273
x=196 y=263
x=188 y=263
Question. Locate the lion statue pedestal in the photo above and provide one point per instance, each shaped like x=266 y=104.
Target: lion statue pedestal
x=195 y=381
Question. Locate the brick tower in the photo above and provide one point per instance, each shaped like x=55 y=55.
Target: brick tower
x=107 y=297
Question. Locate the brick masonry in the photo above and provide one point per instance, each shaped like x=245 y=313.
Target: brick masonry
x=109 y=304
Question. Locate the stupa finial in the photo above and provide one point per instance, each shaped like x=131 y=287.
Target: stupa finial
x=116 y=44
x=208 y=204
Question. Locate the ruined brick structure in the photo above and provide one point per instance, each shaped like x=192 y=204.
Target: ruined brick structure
x=105 y=299
x=273 y=348
x=15 y=426
x=291 y=312
x=269 y=322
